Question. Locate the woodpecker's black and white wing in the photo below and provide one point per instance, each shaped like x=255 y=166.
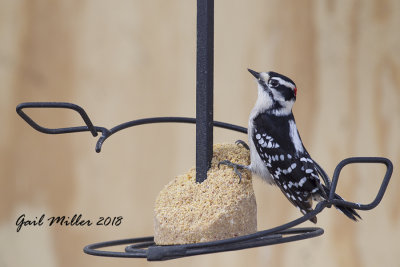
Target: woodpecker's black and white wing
x=280 y=148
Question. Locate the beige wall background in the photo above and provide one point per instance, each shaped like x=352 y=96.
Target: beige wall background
x=123 y=60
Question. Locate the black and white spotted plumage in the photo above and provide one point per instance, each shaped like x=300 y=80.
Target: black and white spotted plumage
x=276 y=150
x=292 y=170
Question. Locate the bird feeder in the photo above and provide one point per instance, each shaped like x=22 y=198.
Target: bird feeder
x=145 y=247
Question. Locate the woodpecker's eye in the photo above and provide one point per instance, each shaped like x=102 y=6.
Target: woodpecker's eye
x=273 y=83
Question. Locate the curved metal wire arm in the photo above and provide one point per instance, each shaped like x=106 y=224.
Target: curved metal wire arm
x=146 y=248
x=62 y=105
x=105 y=133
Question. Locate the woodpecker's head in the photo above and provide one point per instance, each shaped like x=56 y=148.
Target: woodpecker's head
x=276 y=93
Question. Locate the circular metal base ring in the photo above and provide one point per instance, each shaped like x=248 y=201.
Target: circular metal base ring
x=145 y=247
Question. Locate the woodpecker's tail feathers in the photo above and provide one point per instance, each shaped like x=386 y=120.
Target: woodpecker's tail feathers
x=349 y=212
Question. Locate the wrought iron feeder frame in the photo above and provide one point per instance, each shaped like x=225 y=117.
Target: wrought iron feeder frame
x=144 y=247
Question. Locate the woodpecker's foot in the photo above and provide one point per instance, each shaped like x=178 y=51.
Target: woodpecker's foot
x=243 y=143
x=236 y=167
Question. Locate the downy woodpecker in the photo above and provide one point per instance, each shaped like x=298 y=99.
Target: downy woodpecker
x=277 y=153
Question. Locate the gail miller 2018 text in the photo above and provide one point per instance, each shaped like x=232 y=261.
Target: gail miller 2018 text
x=75 y=220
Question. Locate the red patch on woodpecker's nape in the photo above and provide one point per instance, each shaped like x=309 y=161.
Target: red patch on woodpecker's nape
x=295 y=91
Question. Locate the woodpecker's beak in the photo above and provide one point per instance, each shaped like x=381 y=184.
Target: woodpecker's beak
x=254 y=73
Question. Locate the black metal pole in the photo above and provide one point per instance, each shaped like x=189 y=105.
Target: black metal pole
x=204 y=87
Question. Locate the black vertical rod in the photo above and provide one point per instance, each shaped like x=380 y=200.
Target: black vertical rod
x=204 y=87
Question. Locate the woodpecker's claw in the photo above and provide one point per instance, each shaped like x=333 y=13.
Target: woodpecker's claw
x=235 y=167
x=243 y=143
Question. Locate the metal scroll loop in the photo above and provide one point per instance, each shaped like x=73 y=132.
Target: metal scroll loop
x=106 y=133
